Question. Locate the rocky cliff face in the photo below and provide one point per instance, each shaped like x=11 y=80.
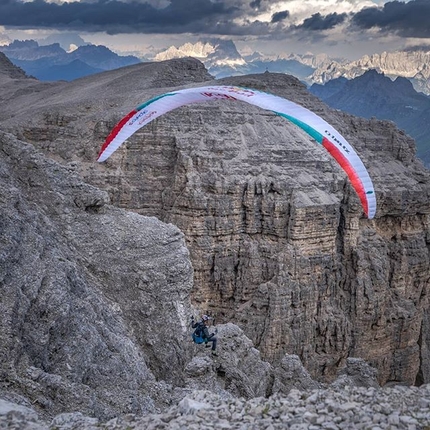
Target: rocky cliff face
x=276 y=235
x=96 y=305
x=95 y=302
x=71 y=326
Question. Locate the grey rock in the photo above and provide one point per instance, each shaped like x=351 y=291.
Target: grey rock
x=190 y=407
x=346 y=409
x=91 y=346
x=9 y=70
x=356 y=373
x=17 y=416
x=237 y=371
x=74 y=420
x=244 y=218
x=80 y=324
x=276 y=235
x=290 y=374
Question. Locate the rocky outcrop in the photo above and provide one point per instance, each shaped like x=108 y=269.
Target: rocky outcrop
x=356 y=373
x=238 y=371
x=96 y=306
x=84 y=289
x=276 y=235
x=10 y=70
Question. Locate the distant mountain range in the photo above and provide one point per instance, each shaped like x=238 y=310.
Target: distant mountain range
x=413 y=65
x=53 y=63
x=221 y=58
x=375 y=95
x=355 y=87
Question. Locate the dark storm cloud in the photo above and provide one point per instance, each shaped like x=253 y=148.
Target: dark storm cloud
x=280 y=16
x=410 y=19
x=320 y=22
x=262 y=5
x=255 y=4
x=114 y=16
x=215 y=17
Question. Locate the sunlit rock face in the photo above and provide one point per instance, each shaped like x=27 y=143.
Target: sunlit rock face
x=412 y=64
x=277 y=237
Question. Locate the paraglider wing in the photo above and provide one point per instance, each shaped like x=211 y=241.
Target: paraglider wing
x=311 y=123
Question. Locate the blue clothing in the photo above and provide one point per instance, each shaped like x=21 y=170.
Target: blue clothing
x=205 y=333
x=213 y=339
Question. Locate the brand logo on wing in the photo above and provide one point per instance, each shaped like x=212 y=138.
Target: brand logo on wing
x=244 y=92
x=217 y=96
x=334 y=139
x=147 y=117
x=142 y=116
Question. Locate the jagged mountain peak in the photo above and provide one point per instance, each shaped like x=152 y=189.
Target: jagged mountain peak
x=410 y=64
x=204 y=49
x=23 y=44
x=53 y=63
x=371 y=84
x=197 y=50
x=382 y=84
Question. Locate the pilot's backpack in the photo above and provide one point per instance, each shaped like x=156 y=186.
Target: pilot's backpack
x=198 y=334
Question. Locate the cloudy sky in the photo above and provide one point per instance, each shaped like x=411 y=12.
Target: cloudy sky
x=348 y=28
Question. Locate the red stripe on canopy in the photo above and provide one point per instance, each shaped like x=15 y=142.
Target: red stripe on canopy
x=115 y=131
x=350 y=171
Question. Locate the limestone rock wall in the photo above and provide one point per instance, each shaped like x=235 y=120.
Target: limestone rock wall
x=96 y=306
x=276 y=235
x=83 y=294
